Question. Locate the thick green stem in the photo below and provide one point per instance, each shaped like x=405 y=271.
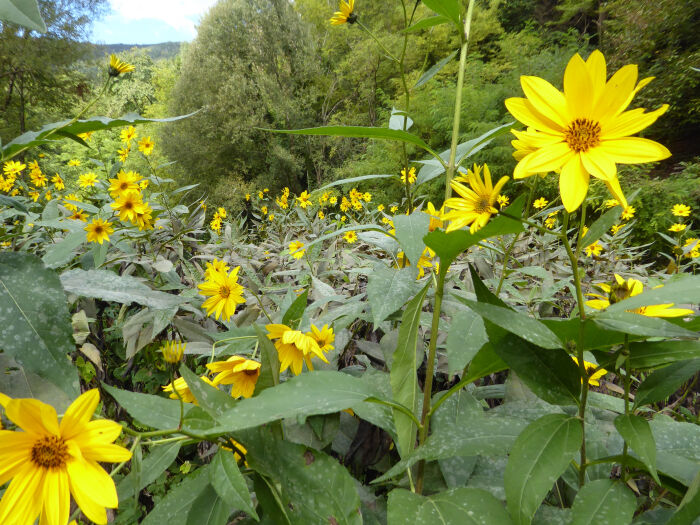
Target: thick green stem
x=430 y=371
x=458 y=99
x=626 y=351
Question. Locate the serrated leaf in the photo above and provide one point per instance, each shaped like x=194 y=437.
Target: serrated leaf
x=603 y=501
x=211 y=399
x=602 y=225
x=388 y=289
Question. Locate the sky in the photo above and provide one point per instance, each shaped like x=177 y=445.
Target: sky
x=149 y=21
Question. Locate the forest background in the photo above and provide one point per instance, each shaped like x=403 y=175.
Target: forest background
x=259 y=64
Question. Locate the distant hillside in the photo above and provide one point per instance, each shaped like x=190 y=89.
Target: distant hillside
x=157 y=51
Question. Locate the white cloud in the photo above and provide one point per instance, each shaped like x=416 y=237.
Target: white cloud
x=179 y=14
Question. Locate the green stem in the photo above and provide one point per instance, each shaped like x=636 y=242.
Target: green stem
x=430 y=371
x=458 y=98
x=388 y=53
x=116 y=469
x=407 y=106
x=626 y=351
x=396 y=406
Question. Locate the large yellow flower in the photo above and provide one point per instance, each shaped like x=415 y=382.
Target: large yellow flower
x=621 y=290
x=223 y=292
x=49 y=461
x=345 y=15
x=129 y=205
x=125 y=182
x=585 y=130
x=117 y=67
x=293 y=347
x=98 y=231
x=476 y=205
x=238 y=371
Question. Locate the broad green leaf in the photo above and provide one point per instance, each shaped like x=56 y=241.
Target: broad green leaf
x=311 y=393
x=388 y=289
x=483 y=294
x=542 y=452
x=353 y=180
x=360 y=132
x=426 y=23
x=551 y=374
x=63 y=251
x=636 y=432
x=449 y=245
x=460 y=506
x=24 y=13
x=677 y=448
x=208 y=509
x=638 y=324
x=663 y=382
x=517 y=323
x=229 y=483
x=464 y=339
x=296 y=310
x=410 y=230
x=153 y=411
x=603 y=501
x=341 y=231
x=596 y=337
x=214 y=401
x=442 y=63
x=315 y=488
x=273 y=510
x=269 y=363
x=36 y=326
x=651 y=355
x=485 y=362
x=108 y=286
x=602 y=225
x=6 y=200
x=18 y=383
x=174 y=508
x=404 y=382
x=48 y=133
x=684 y=289
x=447 y=8
x=689 y=508
x=154 y=465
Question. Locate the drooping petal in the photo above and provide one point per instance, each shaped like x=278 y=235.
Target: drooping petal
x=634 y=150
x=578 y=89
x=614 y=187
x=631 y=122
x=93 y=510
x=546 y=99
x=573 y=184
x=523 y=110
x=33 y=416
x=79 y=413
x=599 y=164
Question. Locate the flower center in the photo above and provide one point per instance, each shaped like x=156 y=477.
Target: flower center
x=250 y=372
x=224 y=292
x=50 y=452
x=99 y=230
x=582 y=134
x=483 y=205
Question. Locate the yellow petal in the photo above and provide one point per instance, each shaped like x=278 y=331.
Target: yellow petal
x=573 y=184
x=33 y=416
x=578 y=88
x=599 y=164
x=523 y=110
x=616 y=95
x=89 y=478
x=546 y=99
x=21 y=502
x=545 y=159
x=634 y=150
x=631 y=122
x=79 y=413
x=598 y=73
x=56 y=497
x=613 y=185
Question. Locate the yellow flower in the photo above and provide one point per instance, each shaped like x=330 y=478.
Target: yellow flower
x=172 y=351
x=350 y=237
x=215 y=224
x=503 y=201
x=628 y=212
x=48 y=461
x=343 y=218
x=474 y=206
x=611 y=203
x=324 y=337
x=344 y=205
x=124 y=183
x=590 y=367
x=127 y=135
x=124 y=153
x=146 y=145
x=179 y=386
x=263 y=210
x=436 y=216
x=333 y=200
x=144 y=218
x=58 y=182
x=424 y=261
x=78 y=215
x=271 y=217
x=324 y=197
x=223 y=292
x=695 y=247
x=98 y=231
x=616 y=228
x=295 y=249
x=540 y=203
x=593 y=249
x=48 y=196
x=215 y=266
x=39 y=179
x=304 y=199
x=680 y=210
x=678 y=227
x=293 y=347
x=411 y=175
x=221 y=212
x=261 y=195
x=394 y=209
x=74 y=162
x=621 y=290
x=321 y=215
x=238 y=371
x=117 y=67
x=345 y=14
x=585 y=130
x=247 y=196
x=550 y=223
x=380 y=207
x=86 y=136
x=367 y=196
x=87 y=179
x=13 y=167
x=34 y=195
x=71 y=197
x=129 y=205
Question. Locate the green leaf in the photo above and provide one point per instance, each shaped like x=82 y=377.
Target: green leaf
x=485 y=362
x=663 y=382
x=539 y=456
x=6 y=200
x=63 y=251
x=448 y=8
x=404 y=382
x=24 y=13
x=19 y=383
x=651 y=355
x=314 y=487
x=464 y=339
x=360 y=132
x=296 y=310
x=603 y=501
x=689 y=508
x=108 y=286
x=208 y=509
x=519 y=324
x=48 y=134
x=637 y=324
x=229 y=483
x=212 y=400
x=602 y=225
x=437 y=67
x=154 y=465
x=153 y=411
x=552 y=375
x=636 y=432
x=410 y=230
x=36 y=326
x=426 y=23
x=449 y=245
x=311 y=393
x=341 y=231
x=684 y=289
x=460 y=506
x=388 y=289
x=174 y=508
x=353 y=180
x=269 y=363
